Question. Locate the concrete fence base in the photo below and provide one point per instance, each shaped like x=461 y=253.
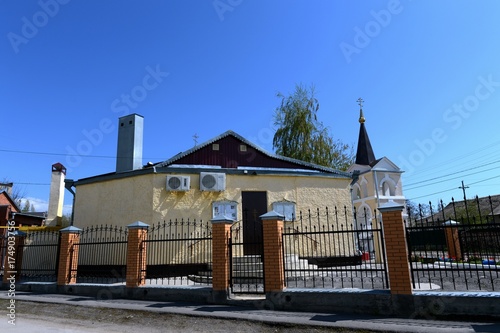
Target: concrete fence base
x=427 y=305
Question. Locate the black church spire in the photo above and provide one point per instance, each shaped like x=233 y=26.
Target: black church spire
x=364 y=154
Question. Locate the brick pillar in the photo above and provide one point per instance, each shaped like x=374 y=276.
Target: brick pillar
x=452 y=240
x=396 y=248
x=221 y=231
x=13 y=256
x=272 y=225
x=68 y=256
x=136 y=254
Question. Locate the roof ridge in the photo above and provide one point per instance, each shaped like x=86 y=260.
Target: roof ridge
x=256 y=147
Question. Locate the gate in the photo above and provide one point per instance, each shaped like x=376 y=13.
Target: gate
x=102 y=255
x=178 y=253
x=325 y=250
x=247 y=270
x=40 y=254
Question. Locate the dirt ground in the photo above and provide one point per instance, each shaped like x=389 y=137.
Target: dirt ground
x=89 y=319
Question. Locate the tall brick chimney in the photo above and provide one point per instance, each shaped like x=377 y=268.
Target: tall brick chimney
x=56 y=199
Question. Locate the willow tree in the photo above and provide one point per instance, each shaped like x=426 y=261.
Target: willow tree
x=302 y=136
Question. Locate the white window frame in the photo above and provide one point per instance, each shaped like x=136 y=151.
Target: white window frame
x=226 y=208
x=286 y=208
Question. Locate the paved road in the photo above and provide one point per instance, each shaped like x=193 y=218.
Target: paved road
x=215 y=313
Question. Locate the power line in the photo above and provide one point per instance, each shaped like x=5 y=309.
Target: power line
x=61 y=154
x=484 y=180
x=427 y=195
x=451 y=174
x=442 y=181
x=454 y=159
x=53 y=154
x=452 y=189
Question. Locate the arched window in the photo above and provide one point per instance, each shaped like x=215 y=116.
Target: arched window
x=388 y=188
x=356 y=192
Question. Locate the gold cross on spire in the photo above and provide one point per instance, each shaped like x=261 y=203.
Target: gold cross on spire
x=361 y=116
x=360 y=102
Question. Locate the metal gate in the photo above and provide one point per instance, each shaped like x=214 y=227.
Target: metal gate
x=247 y=270
x=40 y=254
x=102 y=255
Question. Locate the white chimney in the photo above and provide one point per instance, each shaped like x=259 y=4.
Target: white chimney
x=56 y=199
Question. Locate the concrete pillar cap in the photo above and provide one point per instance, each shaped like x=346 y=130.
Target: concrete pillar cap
x=19 y=233
x=222 y=219
x=138 y=225
x=391 y=206
x=70 y=229
x=272 y=215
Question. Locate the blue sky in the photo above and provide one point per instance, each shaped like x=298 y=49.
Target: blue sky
x=428 y=72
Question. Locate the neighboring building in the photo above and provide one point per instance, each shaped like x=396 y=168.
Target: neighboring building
x=376 y=182
x=227 y=175
x=10 y=211
x=479 y=210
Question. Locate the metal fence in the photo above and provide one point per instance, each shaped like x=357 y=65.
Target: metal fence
x=246 y=256
x=336 y=249
x=179 y=253
x=466 y=253
x=40 y=254
x=102 y=255
x=3 y=250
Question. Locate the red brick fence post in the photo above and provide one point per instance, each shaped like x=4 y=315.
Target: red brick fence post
x=453 y=240
x=13 y=251
x=68 y=255
x=396 y=248
x=221 y=231
x=274 y=278
x=136 y=254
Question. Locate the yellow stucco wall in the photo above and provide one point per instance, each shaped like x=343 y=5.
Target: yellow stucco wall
x=114 y=202
x=144 y=197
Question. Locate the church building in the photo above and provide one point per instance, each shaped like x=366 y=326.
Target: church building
x=376 y=181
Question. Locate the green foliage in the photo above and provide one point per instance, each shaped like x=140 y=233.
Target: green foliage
x=301 y=136
x=470 y=210
x=66 y=220
x=27 y=207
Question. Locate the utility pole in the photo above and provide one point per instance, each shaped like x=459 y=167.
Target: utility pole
x=463 y=187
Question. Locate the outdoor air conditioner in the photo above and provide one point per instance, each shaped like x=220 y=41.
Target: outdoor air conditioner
x=212 y=181
x=178 y=183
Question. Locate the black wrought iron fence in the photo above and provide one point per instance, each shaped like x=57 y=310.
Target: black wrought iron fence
x=3 y=250
x=40 y=253
x=336 y=249
x=179 y=252
x=246 y=256
x=102 y=255
x=465 y=255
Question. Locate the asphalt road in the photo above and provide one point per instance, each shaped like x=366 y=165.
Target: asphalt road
x=70 y=313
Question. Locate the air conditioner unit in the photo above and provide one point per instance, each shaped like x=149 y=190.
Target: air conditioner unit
x=178 y=183
x=212 y=181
